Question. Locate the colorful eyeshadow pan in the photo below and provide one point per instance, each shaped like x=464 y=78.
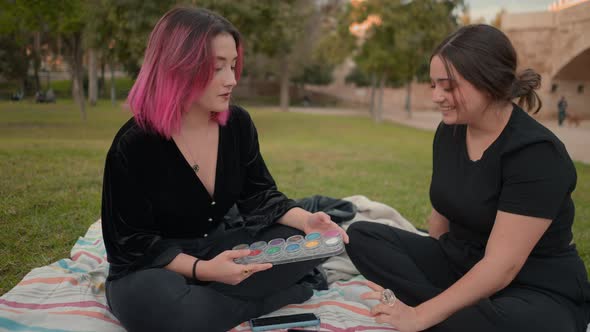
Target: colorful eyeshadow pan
x=276 y=242
x=332 y=241
x=295 y=239
x=311 y=244
x=258 y=245
x=332 y=233
x=241 y=246
x=293 y=248
x=273 y=251
x=313 y=236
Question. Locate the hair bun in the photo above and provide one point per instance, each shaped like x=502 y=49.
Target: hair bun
x=525 y=82
x=524 y=88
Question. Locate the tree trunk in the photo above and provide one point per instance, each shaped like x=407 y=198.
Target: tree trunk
x=92 y=77
x=101 y=85
x=113 y=90
x=59 y=45
x=373 y=88
x=284 y=72
x=37 y=60
x=77 y=71
x=379 y=112
x=409 y=99
x=23 y=86
x=48 y=79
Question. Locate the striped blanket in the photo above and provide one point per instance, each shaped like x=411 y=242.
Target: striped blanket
x=69 y=296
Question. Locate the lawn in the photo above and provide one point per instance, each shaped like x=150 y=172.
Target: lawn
x=51 y=165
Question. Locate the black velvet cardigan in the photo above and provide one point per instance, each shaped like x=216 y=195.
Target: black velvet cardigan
x=152 y=199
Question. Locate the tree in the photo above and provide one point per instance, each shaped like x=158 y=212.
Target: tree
x=93 y=42
x=275 y=29
x=315 y=73
x=336 y=43
x=70 y=20
x=26 y=23
x=422 y=26
x=280 y=30
x=132 y=21
x=358 y=77
x=399 y=44
x=497 y=20
x=14 y=60
x=63 y=18
x=99 y=40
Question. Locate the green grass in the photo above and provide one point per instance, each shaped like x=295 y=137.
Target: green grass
x=63 y=88
x=51 y=165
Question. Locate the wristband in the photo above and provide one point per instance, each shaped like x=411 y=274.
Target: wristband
x=195 y=269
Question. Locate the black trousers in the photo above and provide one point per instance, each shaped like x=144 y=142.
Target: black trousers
x=162 y=300
x=416 y=269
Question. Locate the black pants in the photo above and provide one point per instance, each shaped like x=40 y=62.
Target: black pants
x=162 y=300
x=416 y=269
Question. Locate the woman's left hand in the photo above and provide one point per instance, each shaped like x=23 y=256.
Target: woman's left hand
x=401 y=316
x=320 y=222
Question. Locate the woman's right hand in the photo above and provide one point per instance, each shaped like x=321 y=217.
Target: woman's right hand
x=222 y=268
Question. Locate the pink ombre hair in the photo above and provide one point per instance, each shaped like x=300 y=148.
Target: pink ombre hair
x=178 y=65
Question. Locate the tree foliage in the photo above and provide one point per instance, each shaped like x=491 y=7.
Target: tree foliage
x=315 y=73
x=358 y=77
x=336 y=42
x=277 y=30
x=303 y=39
x=405 y=37
x=497 y=20
x=396 y=40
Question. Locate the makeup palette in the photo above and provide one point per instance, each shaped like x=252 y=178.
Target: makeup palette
x=293 y=249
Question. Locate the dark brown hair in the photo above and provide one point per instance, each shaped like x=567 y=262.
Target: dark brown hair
x=485 y=57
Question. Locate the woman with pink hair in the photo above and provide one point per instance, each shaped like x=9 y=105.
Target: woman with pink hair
x=173 y=172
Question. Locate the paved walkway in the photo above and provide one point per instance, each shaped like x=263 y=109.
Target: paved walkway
x=576 y=140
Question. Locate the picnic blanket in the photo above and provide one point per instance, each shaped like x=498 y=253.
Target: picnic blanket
x=68 y=295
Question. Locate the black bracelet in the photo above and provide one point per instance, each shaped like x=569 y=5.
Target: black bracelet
x=195 y=268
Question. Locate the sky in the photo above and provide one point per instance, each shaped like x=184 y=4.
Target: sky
x=488 y=8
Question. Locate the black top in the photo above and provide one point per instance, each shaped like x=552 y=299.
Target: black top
x=152 y=197
x=525 y=171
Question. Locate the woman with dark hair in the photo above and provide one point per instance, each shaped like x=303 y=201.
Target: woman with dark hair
x=171 y=175
x=500 y=255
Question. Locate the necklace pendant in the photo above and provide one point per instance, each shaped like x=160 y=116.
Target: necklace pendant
x=195 y=168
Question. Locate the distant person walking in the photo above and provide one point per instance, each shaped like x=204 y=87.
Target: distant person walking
x=561 y=110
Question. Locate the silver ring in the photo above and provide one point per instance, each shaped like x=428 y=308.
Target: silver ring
x=388 y=297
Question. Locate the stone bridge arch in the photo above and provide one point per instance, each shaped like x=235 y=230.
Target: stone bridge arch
x=576 y=68
x=556 y=43
x=572 y=42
